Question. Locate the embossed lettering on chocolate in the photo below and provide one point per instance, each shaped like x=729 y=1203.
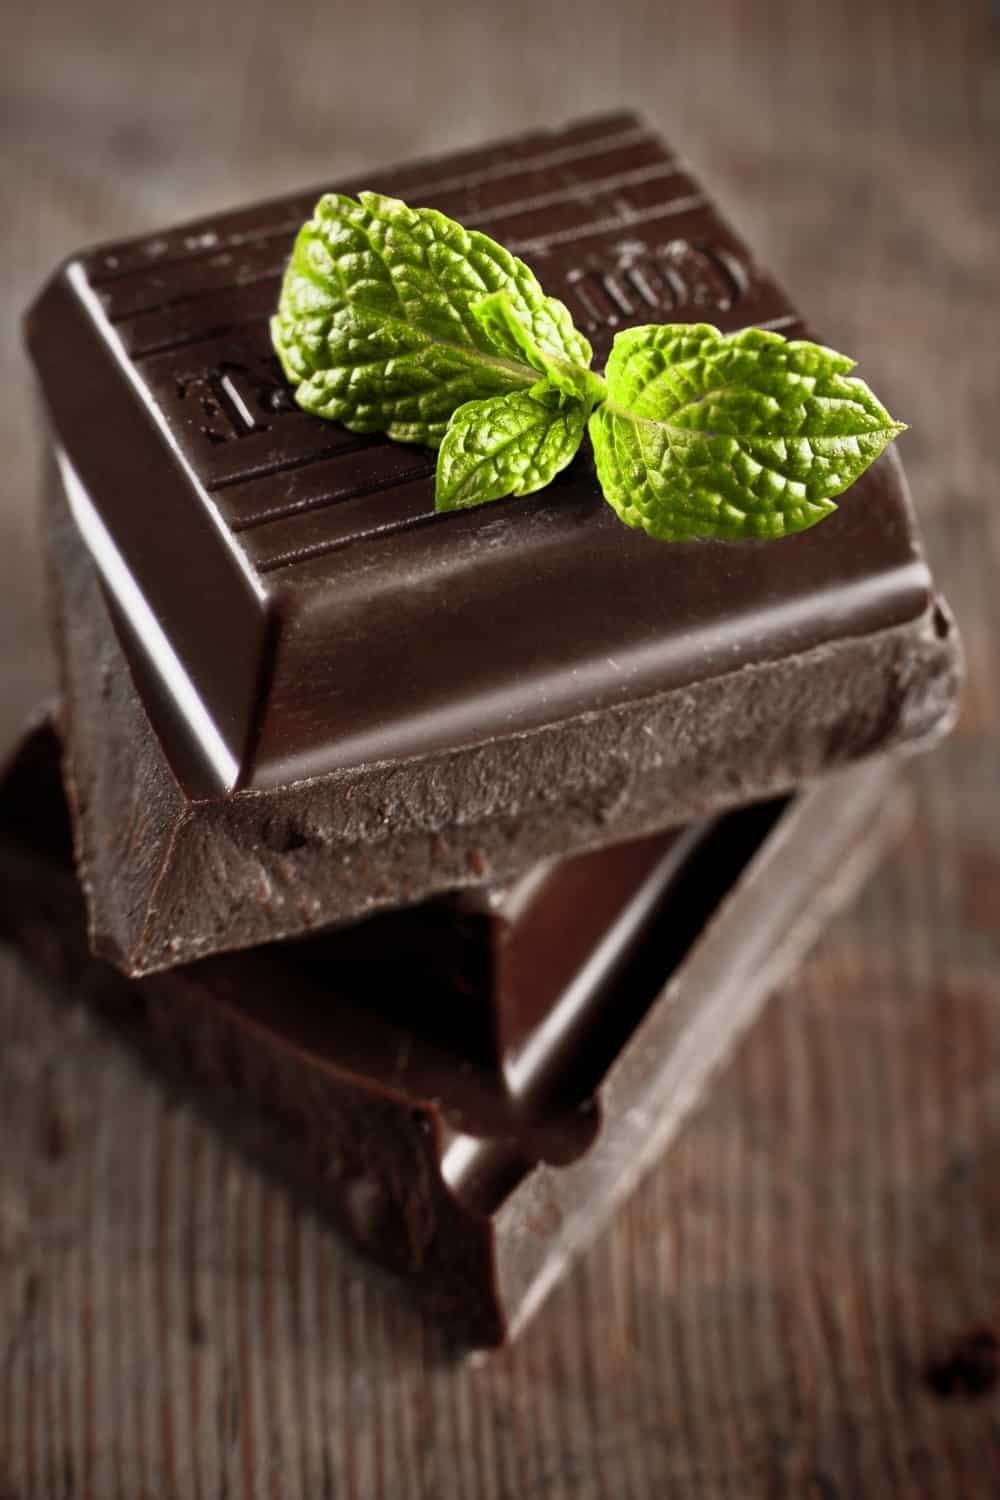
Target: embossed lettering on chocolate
x=531 y=677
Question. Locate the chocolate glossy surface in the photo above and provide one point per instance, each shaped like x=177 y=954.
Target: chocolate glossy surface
x=325 y=617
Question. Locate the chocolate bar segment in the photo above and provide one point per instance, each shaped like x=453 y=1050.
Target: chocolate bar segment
x=288 y=587
x=413 y=1145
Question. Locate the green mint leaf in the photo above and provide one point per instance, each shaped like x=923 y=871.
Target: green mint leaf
x=531 y=340
x=398 y=320
x=745 y=435
x=375 y=323
x=507 y=445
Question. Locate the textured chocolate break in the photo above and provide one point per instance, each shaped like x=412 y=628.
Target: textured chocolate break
x=408 y=1139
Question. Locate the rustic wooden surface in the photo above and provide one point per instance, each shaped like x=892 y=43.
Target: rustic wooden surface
x=804 y=1299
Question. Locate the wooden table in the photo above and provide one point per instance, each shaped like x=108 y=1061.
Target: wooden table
x=804 y=1299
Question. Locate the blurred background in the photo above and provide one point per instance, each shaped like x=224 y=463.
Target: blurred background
x=855 y=143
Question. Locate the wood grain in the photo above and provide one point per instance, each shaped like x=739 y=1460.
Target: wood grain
x=804 y=1299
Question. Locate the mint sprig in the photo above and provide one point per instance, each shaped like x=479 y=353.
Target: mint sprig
x=398 y=320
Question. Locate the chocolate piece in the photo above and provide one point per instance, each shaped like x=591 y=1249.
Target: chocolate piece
x=317 y=615
x=412 y=1145
x=521 y=680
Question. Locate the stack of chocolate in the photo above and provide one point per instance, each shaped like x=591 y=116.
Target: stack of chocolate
x=456 y=850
